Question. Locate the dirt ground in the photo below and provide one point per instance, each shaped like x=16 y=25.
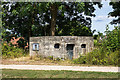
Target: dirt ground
x=35 y=61
x=40 y=61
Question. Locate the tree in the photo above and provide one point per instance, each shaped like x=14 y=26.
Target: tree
x=115 y=12
x=71 y=10
x=21 y=18
x=30 y=19
x=0 y=21
x=53 y=10
x=111 y=41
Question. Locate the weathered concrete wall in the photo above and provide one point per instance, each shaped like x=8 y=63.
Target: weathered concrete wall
x=47 y=43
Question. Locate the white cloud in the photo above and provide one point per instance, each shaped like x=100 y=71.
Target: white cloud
x=102 y=18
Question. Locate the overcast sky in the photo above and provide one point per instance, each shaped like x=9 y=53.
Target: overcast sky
x=101 y=20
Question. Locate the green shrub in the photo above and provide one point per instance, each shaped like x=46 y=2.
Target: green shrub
x=96 y=43
x=111 y=41
x=9 y=51
x=113 y=58
x=58 y=59
x=99 y=56
x=80 y=60
x=106 y=52
x=102 y=57
x=50 y=57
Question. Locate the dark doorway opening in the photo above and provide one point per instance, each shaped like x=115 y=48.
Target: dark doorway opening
x=70 y=48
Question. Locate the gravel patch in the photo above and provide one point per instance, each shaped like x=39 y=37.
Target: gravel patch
x=54 y=67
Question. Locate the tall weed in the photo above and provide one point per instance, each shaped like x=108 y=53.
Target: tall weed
x=9 y=51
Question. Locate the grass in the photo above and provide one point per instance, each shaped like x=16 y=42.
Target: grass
x=9 y=73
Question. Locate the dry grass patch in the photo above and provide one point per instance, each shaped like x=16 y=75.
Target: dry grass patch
x=27 y=60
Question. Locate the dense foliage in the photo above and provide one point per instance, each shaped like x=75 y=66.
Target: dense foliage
x=9 y=51
x=106 y=50
x=26 y=19
x=116 y=12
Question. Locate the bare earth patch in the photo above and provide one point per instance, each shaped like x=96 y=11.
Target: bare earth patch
x=36 y=61
x=40 y=61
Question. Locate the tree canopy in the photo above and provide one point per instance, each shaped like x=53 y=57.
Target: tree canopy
x=116 y=12
x=28 y=19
